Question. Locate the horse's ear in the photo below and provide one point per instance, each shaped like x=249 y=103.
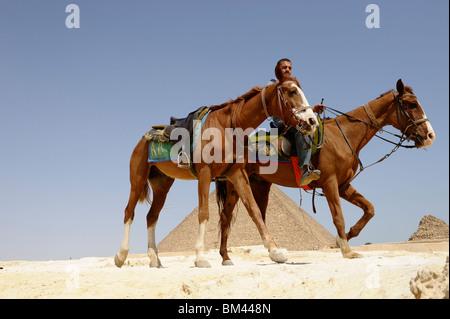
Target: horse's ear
x=400 y=87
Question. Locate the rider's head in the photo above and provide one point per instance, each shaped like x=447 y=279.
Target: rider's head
x=283 y=68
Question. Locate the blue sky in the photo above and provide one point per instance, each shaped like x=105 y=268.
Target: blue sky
x=74 y=103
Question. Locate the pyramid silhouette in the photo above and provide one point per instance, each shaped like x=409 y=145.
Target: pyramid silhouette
x=291 y=227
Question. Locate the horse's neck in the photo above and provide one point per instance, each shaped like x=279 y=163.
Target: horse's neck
x=380 y=109
x=249 y=115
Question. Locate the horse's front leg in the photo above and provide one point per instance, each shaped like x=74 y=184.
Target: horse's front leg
x=240 y=181
x=352 y=196
x=204 y=181
x=331 y=192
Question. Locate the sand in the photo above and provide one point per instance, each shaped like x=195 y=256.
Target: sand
x=386 y=271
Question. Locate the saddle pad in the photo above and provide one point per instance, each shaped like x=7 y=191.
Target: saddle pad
x=298 y=173
x=159 y=152
x=264 y=146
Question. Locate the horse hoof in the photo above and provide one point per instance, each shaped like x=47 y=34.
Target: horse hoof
x=227 y=263
x=202 y=264
x=352 y=255
x=118 y=262
x=277 y=256
x=156 y=264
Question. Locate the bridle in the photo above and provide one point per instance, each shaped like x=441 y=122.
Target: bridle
x=403 y=116
x=284 y=103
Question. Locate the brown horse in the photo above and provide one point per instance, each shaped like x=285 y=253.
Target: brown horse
x=284 y=100
x=338 y=161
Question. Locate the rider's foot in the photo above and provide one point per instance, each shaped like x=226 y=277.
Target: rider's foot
x=308 y=176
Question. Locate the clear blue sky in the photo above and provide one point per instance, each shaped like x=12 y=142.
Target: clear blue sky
x=74 y=103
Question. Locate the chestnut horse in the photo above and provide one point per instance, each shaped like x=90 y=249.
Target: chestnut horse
x=338 y=161
x=284 y=100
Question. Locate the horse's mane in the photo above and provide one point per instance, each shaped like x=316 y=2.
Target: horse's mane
x=243 y=98
x=407 y=89
x=294 y=79
x=247 y=96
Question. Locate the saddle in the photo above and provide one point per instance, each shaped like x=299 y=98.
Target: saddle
x=161 y=133
x=161 y=142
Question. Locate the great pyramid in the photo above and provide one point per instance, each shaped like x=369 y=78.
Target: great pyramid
x=291 y=227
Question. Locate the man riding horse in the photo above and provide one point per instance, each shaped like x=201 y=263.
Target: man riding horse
x=302 y=142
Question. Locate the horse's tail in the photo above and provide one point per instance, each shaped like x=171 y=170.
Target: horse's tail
x=221 y=194
x=145 y=195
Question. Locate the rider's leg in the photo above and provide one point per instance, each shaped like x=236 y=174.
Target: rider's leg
x=303 y=148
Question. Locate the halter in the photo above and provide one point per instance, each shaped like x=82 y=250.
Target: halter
x=283 y=102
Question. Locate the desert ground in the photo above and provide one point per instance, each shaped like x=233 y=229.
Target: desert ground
x=386 y=271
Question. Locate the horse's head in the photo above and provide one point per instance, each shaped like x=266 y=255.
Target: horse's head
x=294 y=106
x=411 y=119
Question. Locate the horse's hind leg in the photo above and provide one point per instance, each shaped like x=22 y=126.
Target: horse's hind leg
x=260 y=190
x=160 y=185
x=225 y=222
x=139 y=170
x=137 y=189
x=352 y=196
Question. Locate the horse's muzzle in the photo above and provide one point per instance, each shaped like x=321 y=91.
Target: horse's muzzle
x=418 y=140
x=306 y=127
x=421 y=141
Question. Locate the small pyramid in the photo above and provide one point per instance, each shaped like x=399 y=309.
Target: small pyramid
x=291 y=227
x=431 y=227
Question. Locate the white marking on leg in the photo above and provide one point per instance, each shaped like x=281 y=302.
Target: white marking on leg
x=125 y=245
x=200 y=244
x=152 y=250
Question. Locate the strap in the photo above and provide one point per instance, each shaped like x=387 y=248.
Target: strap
x=263 y=100
x=361 y=167
x=371 y=116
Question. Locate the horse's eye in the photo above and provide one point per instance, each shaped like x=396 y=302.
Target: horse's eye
x=413 y=105
x=292 y=92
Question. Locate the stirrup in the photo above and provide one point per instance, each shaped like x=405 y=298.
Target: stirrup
x=308 y=176
x=183 y=160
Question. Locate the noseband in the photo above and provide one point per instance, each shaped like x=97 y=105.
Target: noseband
x=283 y=102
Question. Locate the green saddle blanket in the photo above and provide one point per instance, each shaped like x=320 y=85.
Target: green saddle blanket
x=278 y=146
